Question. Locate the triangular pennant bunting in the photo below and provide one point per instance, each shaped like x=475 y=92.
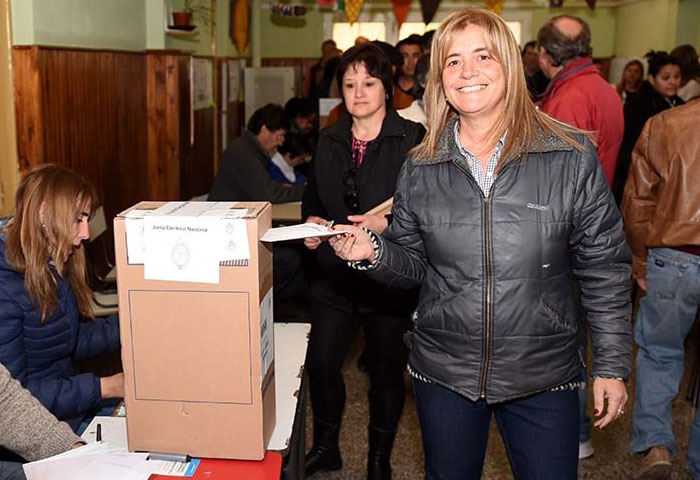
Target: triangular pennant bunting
x=591 y=3
x=353 y=9
x=495 y=5
x=401 y=9
x=429 y=7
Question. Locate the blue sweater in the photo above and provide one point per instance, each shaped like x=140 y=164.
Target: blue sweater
x=40 y=356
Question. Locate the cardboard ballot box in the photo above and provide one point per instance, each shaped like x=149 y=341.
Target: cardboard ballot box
x=195 y=311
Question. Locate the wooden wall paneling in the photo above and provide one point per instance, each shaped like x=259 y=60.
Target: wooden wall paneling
x=85 y=109
x=163 y=114
x=94 y=120
x=131 y=133
x=29 y=124
x=234 y=114
x=197 y=165
x=221 y=99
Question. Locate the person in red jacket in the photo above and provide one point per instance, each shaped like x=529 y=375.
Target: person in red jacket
x=577 y=94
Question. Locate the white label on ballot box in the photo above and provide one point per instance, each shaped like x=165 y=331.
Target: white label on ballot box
x=181 y=249
x=185 y=241
x=267 y=337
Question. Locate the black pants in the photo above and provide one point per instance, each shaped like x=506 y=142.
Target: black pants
x=288 y=274
x=333 y=329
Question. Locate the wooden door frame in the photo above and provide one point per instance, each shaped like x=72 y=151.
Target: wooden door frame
x=9 y=164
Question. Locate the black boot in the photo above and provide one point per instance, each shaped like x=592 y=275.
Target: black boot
x=325 y=454
x=379 y=456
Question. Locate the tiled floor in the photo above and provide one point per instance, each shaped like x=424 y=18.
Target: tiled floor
x=611 y=459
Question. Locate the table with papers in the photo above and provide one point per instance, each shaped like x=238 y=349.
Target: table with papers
x=110 y=459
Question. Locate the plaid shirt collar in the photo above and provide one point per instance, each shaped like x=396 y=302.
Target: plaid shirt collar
x=483 y=177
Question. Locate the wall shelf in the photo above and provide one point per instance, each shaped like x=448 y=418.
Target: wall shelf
x=178 y=32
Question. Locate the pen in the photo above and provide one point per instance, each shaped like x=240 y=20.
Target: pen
x=169 y=457
x=98 y=434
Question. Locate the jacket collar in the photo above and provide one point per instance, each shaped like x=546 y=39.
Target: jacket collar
x=447 y=147
x=341 y=131
x=253 y=138
x=658 y=101
x=576 y=68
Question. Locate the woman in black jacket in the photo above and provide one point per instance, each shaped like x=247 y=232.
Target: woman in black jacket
x=355 y=168
x=504 y=219
x=658 y=93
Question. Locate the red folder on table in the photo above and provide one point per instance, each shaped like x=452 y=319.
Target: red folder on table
x=269 y=468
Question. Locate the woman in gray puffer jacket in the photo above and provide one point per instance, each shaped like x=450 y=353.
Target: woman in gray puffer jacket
x=504 y=219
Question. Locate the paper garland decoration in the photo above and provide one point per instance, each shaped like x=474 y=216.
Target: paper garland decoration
x=495 y=5
x=288 y=9
x=428 y=8
x=353 y=9
x=401 y=9
x=559 y=3
x=240 y=24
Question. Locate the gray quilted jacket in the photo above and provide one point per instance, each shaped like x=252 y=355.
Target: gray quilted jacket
x=508 y=282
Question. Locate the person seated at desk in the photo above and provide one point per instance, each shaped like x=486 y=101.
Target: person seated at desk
x=44 y=292
x=244 y=176
x=243 y=173
x=292 y=153
x=28 y=429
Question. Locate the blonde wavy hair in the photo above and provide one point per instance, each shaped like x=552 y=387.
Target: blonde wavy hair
x=522 y=120
x=49 y=201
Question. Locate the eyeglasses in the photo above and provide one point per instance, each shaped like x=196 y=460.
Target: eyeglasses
x=350 y=196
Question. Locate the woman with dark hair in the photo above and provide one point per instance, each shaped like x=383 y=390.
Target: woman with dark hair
x=631 y=81
x=504 y=219
x=355 y=167
x=658 y=93
x=690 y=71
x=44 y=292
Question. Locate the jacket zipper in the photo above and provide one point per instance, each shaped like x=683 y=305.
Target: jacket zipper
x=487 y=234
x=487 y=336
x=487 y=254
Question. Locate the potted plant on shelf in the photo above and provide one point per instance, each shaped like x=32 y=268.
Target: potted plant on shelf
x=191 y=10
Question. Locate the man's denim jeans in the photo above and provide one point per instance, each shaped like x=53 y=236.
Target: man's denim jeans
x=666 y=315
x=540 y=433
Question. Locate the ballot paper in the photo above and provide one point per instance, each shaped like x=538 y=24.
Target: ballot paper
x=296 y=232
x=92 y=461
x=105 y=460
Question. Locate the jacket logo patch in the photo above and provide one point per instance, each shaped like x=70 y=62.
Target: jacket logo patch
x=537 y=206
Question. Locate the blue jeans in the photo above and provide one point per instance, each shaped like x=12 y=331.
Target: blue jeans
x=540 y=433
x=584 y=434
x=666 y=315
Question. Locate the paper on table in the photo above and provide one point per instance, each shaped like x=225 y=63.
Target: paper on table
x=113 y=431
x=296 y=232
x=97 y=460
